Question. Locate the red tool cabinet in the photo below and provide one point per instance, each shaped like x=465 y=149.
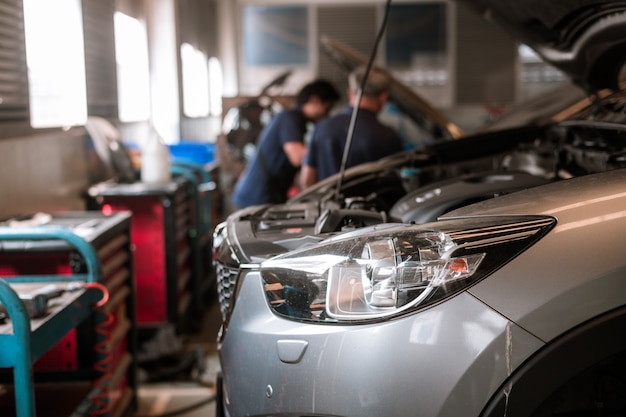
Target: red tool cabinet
x=161 y=224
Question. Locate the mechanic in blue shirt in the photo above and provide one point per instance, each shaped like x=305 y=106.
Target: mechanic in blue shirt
x=372 y=139
x=280 y=147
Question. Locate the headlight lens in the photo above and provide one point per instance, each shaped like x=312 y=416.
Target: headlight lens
x=386 y=271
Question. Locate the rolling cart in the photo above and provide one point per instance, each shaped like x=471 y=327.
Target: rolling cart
x=201 y=232
x=161 y=225
x=54 y=278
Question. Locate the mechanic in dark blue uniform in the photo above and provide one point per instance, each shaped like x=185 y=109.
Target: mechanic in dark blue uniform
x=371 y=141
x=281 y=149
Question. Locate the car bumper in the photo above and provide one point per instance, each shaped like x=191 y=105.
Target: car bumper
x=446 y=360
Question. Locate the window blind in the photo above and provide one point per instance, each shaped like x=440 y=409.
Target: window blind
x=100 y=63
x=13 y=69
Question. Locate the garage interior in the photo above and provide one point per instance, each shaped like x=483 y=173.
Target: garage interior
x=52 y=171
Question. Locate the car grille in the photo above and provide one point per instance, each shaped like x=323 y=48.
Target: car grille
x=226 y=280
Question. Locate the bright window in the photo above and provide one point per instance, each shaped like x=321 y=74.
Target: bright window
x=133 y=71
x=415 y=30
x=535 y=70
x=275 y=35
x=216 y=81
x=56 y=62
x=416 y=43
x=195 y=82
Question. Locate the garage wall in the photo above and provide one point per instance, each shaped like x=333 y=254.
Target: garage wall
x=353 y=25
x=47 y=172
x=486 y=61
x=475 y=74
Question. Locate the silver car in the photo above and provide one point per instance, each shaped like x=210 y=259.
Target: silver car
x=427 y=305
x=515 y=306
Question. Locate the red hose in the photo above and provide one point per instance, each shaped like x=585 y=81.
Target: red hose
x=101 y=287
x=102 y=348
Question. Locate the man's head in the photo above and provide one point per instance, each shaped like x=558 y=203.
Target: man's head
x=316 y=99
x=376 y=88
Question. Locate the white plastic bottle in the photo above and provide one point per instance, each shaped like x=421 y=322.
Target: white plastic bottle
x=155 y=161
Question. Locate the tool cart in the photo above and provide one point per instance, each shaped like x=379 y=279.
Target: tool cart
x=201 y=232
x=67 y=334
x=161 y=225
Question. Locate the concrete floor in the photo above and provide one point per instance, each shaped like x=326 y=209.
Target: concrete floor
x=187 y=397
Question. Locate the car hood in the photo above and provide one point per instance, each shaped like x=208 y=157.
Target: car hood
x=584 y=38
x=368 y=192
x=405 y=98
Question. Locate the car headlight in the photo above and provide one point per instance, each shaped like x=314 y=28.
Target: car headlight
x=380 y=272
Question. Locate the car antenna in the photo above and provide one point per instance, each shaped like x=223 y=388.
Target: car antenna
x=355 y=109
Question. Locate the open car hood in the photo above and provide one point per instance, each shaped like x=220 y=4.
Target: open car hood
x=586 y=39
x=414 y=106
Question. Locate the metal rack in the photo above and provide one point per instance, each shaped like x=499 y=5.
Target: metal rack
x=25 y=339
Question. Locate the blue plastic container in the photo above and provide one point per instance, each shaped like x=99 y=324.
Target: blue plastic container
x=197 y=152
